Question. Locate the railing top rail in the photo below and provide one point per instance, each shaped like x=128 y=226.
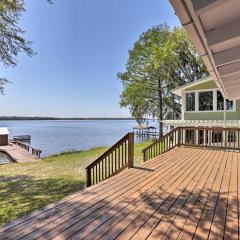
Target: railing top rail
x=27 y=145
x=110 y=150
x=210 y=128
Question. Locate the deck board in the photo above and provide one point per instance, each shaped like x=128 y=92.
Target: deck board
x=184 y=193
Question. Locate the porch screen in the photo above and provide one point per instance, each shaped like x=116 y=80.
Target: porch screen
x=206 y=101
x=220 y=102
x=190 y=102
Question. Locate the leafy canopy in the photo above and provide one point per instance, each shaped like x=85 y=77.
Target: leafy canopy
x=159 y=61
x=12 y=41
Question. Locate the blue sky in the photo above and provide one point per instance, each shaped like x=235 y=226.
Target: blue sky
x=81 y=45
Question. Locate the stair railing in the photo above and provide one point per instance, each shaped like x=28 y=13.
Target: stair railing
x=113 y=161
x=163 y=144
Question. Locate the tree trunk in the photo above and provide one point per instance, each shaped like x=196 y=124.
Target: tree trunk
x=160 y=108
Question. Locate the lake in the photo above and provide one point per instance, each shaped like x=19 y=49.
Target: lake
x=56 y=136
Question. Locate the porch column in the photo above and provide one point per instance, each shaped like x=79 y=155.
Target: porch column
x=184 y=136
x=224 y=113
x=183 y=104
x=196 y=137
x=204 y=137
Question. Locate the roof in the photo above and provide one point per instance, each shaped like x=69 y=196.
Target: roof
x=178 y=90
x=214 y=27
x=4 y=131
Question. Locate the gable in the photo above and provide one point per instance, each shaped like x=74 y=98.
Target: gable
x=202 y=86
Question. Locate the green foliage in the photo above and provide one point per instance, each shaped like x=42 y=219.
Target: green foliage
x=159 y=61
x=11 y=40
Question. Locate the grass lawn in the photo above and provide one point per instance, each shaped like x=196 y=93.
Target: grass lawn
x=29 y=186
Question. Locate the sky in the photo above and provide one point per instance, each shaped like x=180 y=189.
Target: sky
x=81 y=45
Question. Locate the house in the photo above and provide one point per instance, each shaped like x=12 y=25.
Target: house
x=180 y=192
x=203 y=105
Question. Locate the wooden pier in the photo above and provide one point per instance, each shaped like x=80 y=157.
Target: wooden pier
x=18 y=154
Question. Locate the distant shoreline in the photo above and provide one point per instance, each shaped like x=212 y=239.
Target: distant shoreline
x=56 y=118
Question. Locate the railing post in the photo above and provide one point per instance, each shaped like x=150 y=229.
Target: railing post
x=144 y=156
x=178 y=137
x=88 y=177
x=130 y=150
x=197 y=136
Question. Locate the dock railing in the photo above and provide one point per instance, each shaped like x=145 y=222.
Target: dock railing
x=34 y=151
x=207 y=137
x=113 y=161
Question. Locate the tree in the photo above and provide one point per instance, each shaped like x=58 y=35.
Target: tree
x=159 y=61
x=12 y=41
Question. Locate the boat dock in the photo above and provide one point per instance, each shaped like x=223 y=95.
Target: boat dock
x=17 y=153
x=145 y=131
x=23 y=138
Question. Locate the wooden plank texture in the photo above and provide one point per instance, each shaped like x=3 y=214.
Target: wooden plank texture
x=185 y=193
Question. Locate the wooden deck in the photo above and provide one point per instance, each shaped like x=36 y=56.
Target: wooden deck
x=183 y=194
x=18 y=154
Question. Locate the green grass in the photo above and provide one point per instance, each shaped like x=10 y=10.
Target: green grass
x=29 y=186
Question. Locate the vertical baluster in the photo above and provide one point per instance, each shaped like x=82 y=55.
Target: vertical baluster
x=112 y=163
x=92 y=176
x=125 y=153
x=226 y=138
x=96 y=174
x=222 y=133
x=234 y=139
x=122 y=154
x=238 y=138
x=99 y=172
x=102 y=170
x=108 y=168
x=105 y=168
x=119 y=157
x=115 y=156
x=155 y=150
x=175 y=137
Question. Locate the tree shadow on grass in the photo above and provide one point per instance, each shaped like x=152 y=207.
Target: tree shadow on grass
x=22 y=194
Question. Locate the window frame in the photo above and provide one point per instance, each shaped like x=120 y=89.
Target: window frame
x=214 y=101
x=194 y=101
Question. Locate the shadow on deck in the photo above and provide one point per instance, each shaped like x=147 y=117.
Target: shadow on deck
x=183 y=194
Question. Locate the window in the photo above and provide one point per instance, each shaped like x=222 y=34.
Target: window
x=206 y=101
x=229 y=105
x=190 y=101
x=220 y=101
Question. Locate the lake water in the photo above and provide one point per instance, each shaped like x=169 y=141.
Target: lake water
x=61 y=136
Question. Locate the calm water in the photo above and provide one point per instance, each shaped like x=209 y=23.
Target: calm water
x=61 y=136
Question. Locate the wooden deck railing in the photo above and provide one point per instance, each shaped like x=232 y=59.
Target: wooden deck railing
x=32 y=150
x=113 y=161
x=162 y=145
x=212 y=137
